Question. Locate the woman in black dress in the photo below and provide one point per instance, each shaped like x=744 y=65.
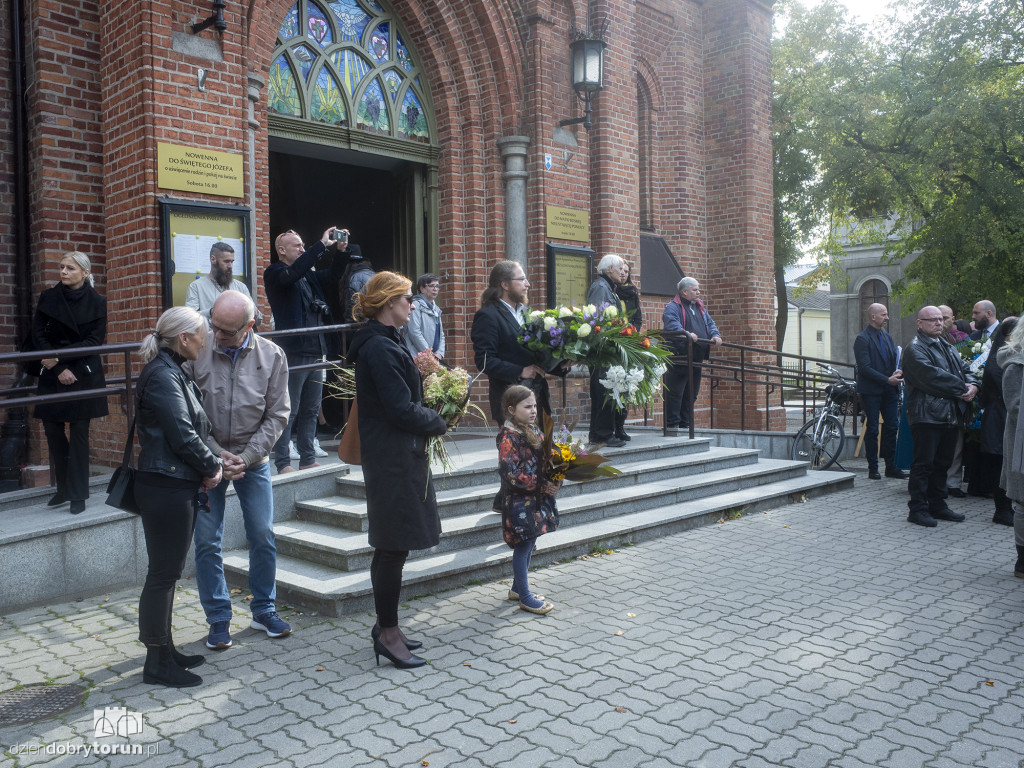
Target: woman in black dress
x=393 y=429
x=70 y=315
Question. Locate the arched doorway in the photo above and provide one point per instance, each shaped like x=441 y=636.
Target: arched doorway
x=873 y=291
x=352 y=133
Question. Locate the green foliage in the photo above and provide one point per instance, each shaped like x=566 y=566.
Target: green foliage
x=922 y=126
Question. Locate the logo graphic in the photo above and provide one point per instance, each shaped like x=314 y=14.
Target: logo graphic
x=115 y=721
x=547 y=162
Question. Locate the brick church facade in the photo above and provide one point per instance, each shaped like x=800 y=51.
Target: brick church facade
x=430 y=129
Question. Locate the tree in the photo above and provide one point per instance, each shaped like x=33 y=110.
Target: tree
x=924 y=124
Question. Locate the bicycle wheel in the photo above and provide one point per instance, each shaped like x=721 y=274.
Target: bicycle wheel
x=820 y=446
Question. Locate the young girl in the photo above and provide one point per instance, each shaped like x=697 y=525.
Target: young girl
x=528 y=499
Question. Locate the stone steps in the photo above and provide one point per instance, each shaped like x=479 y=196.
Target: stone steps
x=335 y=592
x=666 y=485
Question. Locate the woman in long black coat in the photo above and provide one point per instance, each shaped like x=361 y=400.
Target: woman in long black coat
x=70 y=315
x=985 y=475
x=393 y=429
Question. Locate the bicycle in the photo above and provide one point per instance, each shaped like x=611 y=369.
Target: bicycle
x=820 y=440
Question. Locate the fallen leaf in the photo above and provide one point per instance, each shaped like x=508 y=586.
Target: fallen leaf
x=620 y=632
x=609 y=551
x=93 y=635
x=424 y=762
x=248 y=597
x=621 y=710
x=467 y=665
x=990 y=682
x=787 y=526
x=513 y=722
x=236 y=591
x=320 y=669
x=631 y=615
x=106 y=600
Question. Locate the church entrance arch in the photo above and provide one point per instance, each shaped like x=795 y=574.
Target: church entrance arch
x=352 y=133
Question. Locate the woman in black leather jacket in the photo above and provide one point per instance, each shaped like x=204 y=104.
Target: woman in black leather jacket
x=176 y=467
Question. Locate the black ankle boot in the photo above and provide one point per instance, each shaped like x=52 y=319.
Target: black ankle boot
x=1018 y=569
x=161 y=669
x=184 y=661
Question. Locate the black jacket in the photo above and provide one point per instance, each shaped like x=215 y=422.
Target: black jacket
x=631 y=299
x=290 y=308
x=172 y=426
x=872 y=371
x=64 y=320
x=936 y=377
x=393 y=427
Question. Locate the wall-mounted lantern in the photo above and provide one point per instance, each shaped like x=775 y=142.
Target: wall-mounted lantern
x=587 y=71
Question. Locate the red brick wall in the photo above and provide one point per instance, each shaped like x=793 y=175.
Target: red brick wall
x=108 y=85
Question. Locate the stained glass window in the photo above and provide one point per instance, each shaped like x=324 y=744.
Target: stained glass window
x=284 y=95
x=327 y=103
x=392 y=81
x=306 y=57
x=379 y=42
x=412 y=122
x=318 y=30
x=352 y=19
x=373 y=111
x=346 y=63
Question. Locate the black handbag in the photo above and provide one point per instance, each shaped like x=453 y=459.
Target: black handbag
x=121 y=488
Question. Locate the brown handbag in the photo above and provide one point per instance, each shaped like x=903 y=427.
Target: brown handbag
x=349 y=449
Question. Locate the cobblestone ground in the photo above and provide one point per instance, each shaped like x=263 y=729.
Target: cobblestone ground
x=827 y=633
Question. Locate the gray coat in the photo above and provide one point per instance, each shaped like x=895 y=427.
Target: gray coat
x=424 y=323
x=1012 y=477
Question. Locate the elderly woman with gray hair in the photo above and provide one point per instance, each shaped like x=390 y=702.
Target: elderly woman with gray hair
x=611 y=272
x=1011 y=359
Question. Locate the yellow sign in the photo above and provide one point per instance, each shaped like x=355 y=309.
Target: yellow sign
x=568 y=224
x=199 y=170
x=572 y=279
x=193 y=233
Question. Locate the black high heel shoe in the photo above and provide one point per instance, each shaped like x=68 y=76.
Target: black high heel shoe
x=412 y=645
x=379 y=649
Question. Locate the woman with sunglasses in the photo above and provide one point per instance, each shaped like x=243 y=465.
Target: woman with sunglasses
x=393 y=429
x=176 y=468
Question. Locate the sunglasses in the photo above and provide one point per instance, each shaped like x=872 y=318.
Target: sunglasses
x=407 y=297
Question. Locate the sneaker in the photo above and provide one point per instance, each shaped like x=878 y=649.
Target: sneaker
x=292 y=453
x=317 y=450
x=220 y=636
x=272 y=624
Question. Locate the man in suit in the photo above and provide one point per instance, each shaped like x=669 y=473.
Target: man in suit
x=985 y=322
x=878 y=381
x=495 y=336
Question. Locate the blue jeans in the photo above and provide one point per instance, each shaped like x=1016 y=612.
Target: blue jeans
x=257 y=501
x=305 y=390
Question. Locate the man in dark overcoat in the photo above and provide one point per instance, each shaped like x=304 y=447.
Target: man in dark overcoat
x=878 y=383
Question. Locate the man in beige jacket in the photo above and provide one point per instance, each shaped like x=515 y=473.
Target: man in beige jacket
x=244 y=380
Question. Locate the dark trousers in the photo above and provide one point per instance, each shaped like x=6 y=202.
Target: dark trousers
x=886 y=404
x=69 y=458
x=602 y=408
x=168 y=519
x=934 y=446
x=620 y=422
x=678 y=397
x=386 y=578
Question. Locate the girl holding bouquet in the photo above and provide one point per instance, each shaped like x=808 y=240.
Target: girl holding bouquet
x=527 y=496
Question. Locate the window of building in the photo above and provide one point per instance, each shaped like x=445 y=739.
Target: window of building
x=820 y=336
x=345 y=62
x=872 y=292
x=644 y=141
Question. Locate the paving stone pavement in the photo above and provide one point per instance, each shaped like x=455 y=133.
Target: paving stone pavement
x=826 y=633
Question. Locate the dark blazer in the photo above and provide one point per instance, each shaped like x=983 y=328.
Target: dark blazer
x=496 y=348
x=872 y=372
x=978 y=335
x=285 y=296
x=64 y=320
x=173 y=427
x=393 y=429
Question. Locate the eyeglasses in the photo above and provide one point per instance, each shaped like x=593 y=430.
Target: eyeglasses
x=202 y=501
x=931 y=319
x=225 y=332
x=520 y=279
x=407 y=297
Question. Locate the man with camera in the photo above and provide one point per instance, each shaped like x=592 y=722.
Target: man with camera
x=297 y=295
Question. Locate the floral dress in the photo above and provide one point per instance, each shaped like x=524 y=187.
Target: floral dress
x=525 y=512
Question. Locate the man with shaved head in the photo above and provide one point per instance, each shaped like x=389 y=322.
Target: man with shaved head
x=985 y=322
x=939 y=387
x=950 y=333
x=878 y=381
x=244 y=381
